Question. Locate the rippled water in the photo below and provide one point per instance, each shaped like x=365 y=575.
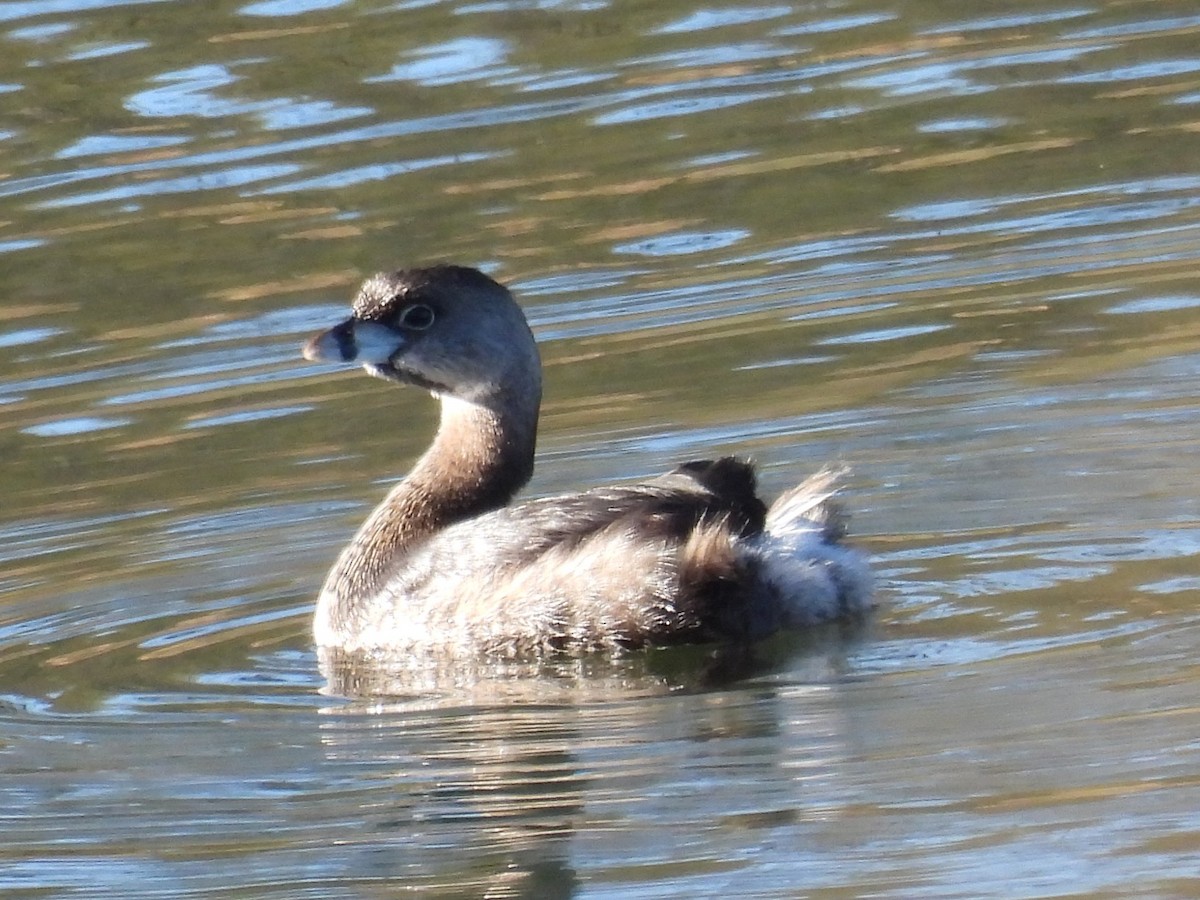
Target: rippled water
x=953 y=246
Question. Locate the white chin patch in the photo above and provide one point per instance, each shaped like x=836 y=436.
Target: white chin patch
x=386 y=372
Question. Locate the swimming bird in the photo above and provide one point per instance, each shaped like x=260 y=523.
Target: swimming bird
x=449 y=563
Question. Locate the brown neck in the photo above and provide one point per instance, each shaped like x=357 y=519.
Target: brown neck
x=478 y=461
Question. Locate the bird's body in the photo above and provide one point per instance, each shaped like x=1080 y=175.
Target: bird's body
x=448 y=564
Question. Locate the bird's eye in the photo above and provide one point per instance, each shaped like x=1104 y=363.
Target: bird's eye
x=417 y=317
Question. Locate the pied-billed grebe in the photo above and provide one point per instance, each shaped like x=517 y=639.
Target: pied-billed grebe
x=444 y=563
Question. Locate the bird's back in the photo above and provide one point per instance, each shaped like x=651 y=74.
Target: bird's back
x=686 y=557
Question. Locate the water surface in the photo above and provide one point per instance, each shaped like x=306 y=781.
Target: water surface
x=954 y=248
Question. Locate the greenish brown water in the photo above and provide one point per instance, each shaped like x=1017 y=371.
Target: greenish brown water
x=953 y=247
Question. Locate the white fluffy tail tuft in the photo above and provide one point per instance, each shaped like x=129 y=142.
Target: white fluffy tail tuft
x=811 y=505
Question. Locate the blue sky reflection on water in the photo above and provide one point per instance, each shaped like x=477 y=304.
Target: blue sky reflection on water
x=953 y=250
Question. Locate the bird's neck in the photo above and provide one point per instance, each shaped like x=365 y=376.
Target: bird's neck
x=482 y=455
